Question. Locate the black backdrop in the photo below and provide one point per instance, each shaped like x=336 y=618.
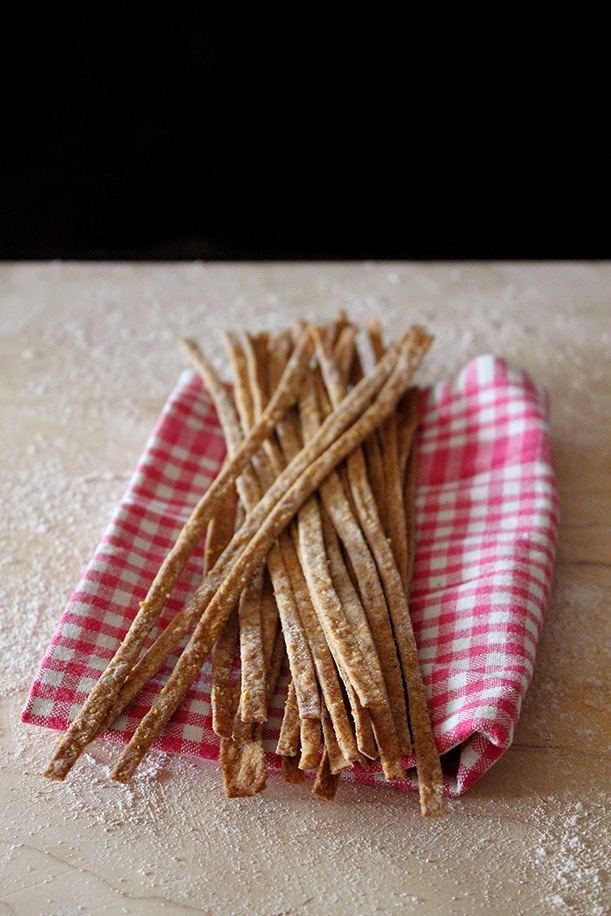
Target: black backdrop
x=189 y=133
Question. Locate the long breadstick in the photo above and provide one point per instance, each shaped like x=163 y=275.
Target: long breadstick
x=366 y=573
x=220 y=605
x=251 y=491
x=430 y=780
x=252 y=394
x=381 y=717
x=221 y=689
x=394 y=523
x=87 y=724
x=341 y=636
x=323 y=660
x=288 y=740
x=326 y=782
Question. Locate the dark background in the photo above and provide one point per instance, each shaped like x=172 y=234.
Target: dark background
x=189 y=133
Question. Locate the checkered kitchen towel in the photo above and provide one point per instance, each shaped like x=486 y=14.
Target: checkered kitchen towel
x=487 y=521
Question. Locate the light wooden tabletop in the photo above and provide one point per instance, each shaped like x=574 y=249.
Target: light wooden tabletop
x=88 y=355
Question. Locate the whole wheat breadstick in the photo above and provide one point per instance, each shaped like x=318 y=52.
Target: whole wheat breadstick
x=253 y=707
x=250 y=407
x=242 y=758
x=344 y=351
x=325 y=668
x=243 y=766
x=288 y=740
x=408 y=418
x=381 y=718
x=427 y=757
x=310 y=741
x=252 y=395
x=367 y=577
x=300 y=661
x=290 y=770
x=394 y=523
x=337 y=761
x=87 y=724
x=326 y=782
x=341 y=637
x=218 y=608
x=221 y=689
x=409 y=498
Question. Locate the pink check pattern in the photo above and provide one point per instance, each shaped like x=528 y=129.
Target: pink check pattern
x=487 y=523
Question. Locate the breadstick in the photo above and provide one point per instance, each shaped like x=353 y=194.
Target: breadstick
x=252 y=701
x=288 y=740
x=300 y=661
x=408 y=418
x=242 y=756
x=243 y=766
x=368 y=579
x=337 y=761
x=326 y=782
x=381 y=718
x=427 y=757
x=87 y=724
x=221 y=689
x=409 y=499
x=394 y=523
x=252 y=706
x=323 y=660
x=342 y=639
x=217 y=608
x=310 y=740
x=290 y=770
x=344 y=350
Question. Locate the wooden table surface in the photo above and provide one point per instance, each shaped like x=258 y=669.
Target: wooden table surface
x=88 y=355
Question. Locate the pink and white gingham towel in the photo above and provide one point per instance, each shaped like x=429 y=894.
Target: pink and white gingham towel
x=487 y=520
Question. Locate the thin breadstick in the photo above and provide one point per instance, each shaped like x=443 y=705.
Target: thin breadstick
x=288 y=740
x=394 y=523
x=337 y=761
x=242 y=757
x=323 y=660
x=252 y=701
x=430 y=780
x=290 y=770
x=326 y=782
x=408 y=418
x=367 y=577
x=218 y=603
x=409 y=499
x=343 y=640
x=383 y=724
x=253 y=707
x=372 y=448
x=344 y=351
x=310 y=740
x=87 y=724
x=221 y=529
x=251 y=491
x=243 y=766
x=221 y=689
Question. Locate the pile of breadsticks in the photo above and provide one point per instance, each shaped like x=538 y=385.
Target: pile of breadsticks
x=309 y=530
